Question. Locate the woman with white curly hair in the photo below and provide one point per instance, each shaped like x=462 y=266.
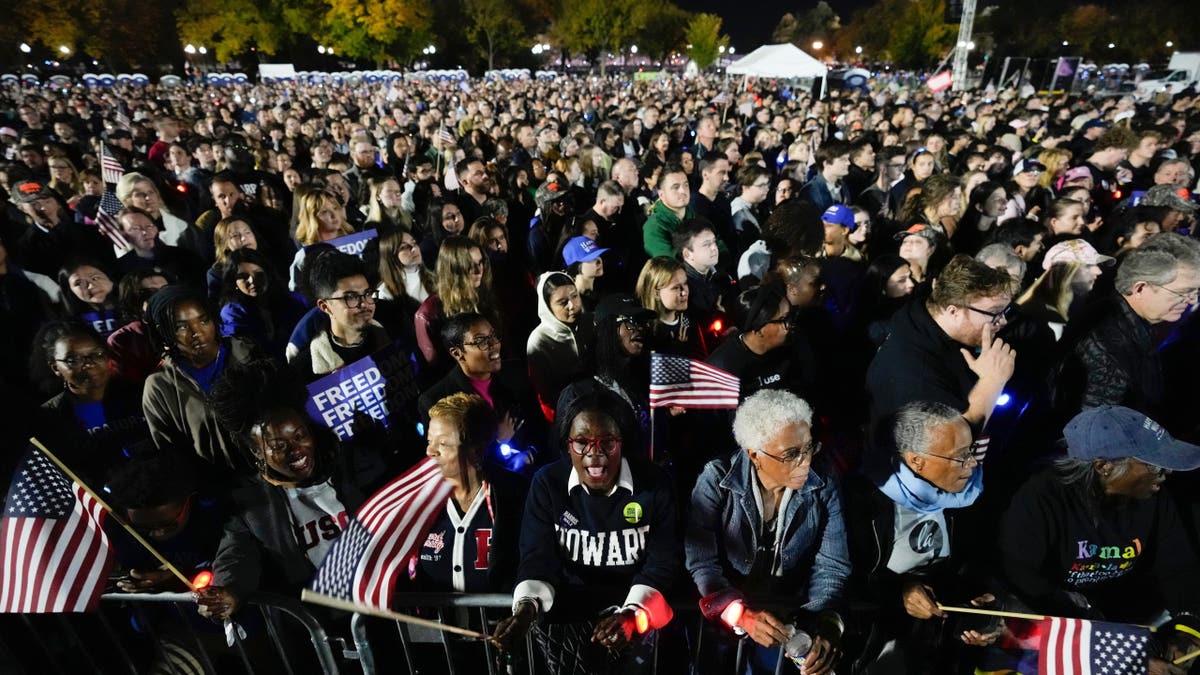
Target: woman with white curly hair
x=765 y=523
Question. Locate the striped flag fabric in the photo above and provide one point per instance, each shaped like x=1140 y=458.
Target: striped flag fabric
x=375 y=547
x=687 y=383
x=106 y=221
x=110 y=167
x=1079 y=647
x=55 y=554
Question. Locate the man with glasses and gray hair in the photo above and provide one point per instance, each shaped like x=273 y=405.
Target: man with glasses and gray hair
x=1111 y=356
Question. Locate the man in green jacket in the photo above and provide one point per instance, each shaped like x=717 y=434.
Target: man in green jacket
x=668 y=212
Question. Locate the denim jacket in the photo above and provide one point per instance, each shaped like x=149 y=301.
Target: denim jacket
x=722 y=536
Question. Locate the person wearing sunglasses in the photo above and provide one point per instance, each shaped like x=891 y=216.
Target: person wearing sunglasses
x=1101 y=534
x=944 y=349
x=907 y=545
x=343 y=294
x=599 y=546
x=255 y=303
x=765 y=523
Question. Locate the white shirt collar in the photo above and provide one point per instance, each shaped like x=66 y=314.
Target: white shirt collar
x=625 y=480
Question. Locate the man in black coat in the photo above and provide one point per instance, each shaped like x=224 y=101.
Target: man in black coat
x=943 y=350
x=50 y=237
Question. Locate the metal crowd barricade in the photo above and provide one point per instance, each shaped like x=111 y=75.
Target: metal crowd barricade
x=183 y=652
x=459 y=605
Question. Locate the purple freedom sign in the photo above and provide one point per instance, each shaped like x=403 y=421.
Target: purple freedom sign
x=380 y=385
x=354 y=243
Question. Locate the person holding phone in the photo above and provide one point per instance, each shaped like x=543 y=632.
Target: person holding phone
x=474 y=344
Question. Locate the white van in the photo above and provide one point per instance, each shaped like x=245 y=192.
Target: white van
x=1181 y=72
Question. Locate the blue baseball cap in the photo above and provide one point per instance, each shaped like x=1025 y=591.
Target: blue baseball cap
x=581 y=249
x=840 y=215
x=1116 y=432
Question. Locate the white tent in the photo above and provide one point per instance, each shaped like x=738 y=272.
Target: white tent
x=779 y=61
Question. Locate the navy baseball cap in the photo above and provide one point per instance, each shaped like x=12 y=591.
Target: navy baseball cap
x=839 y=215
x=1116 y=432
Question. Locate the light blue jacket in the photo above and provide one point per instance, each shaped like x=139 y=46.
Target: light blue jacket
x=722 y=537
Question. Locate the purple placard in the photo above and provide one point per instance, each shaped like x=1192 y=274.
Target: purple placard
x=379 y=385
x=354 y=243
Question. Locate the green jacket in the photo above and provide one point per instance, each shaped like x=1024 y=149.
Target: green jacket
x=659 y=226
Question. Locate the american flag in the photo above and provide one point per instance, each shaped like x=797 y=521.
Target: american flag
x=445 y=136
x=106 y=221
x=684 y=382
x=55 y=554
x=364 y=562
x=110 y=167
x=1078 y=647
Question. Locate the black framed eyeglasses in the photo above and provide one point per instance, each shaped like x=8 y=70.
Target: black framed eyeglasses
x=997 y=317
x=483 y=341
x=355 y=300
x=783 y=321
x=796 y=455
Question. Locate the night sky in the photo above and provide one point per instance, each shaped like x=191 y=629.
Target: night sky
x=749 y=23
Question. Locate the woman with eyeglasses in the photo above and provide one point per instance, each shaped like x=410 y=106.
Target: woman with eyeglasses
x=908 y=547
x=755 y=357
x=255 y=304
x=599 y=547
x=95 y=420
x=1097 y=536
x=766 y=543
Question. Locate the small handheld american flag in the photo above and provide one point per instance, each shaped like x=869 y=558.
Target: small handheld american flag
x=363 y=564
x=110 y=167
x=1079 y=647
x=687 y=383
x=54 y=553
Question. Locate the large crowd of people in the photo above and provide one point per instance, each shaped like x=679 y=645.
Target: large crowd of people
x=963 y=326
